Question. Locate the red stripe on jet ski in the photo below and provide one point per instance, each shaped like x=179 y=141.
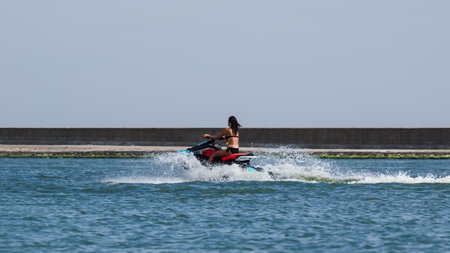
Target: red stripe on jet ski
x=208 y=153
x=232 y=156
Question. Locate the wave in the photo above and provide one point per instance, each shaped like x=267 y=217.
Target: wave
x=404 y=178
x=286 y=164
x=144 y=180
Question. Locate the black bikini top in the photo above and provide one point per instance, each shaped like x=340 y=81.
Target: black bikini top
x=228 y=137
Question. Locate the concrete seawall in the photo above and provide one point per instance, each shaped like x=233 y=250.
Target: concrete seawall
x=309 y=138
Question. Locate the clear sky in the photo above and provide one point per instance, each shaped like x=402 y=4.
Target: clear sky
x=317 y=63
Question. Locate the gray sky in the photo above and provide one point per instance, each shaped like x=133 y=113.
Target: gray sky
x=104 y=63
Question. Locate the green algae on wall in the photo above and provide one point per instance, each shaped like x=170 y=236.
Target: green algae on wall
x=382 y=156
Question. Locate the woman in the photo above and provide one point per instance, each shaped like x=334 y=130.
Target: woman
x=231 y=134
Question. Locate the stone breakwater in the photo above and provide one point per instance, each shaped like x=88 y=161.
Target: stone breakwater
x=111 y=151
x=307 y=138
x=142 y=142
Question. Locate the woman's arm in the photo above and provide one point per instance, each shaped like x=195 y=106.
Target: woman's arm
x=216 y=137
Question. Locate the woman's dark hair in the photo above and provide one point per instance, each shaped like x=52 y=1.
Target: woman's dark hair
x=234 y=124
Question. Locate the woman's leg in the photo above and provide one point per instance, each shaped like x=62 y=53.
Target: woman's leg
x=218 y=154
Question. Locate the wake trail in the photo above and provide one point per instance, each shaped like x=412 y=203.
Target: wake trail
x=286 y=164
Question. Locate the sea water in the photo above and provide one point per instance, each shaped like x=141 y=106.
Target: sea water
x=156 y=205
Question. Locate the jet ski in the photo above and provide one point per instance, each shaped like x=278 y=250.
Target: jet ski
x=203 y=150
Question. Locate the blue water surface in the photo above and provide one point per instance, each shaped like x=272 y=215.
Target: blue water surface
x=155 y=205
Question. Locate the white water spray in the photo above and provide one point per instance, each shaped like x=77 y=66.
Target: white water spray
x=286 y=164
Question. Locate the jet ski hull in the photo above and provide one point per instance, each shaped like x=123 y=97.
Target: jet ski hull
x=203 y=150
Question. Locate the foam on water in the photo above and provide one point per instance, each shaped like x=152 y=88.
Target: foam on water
x=285 y=163
x=402 y=177
x=144 y=180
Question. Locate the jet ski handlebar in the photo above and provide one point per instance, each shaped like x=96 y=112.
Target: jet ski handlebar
x=207 y=136
x=212 y=139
